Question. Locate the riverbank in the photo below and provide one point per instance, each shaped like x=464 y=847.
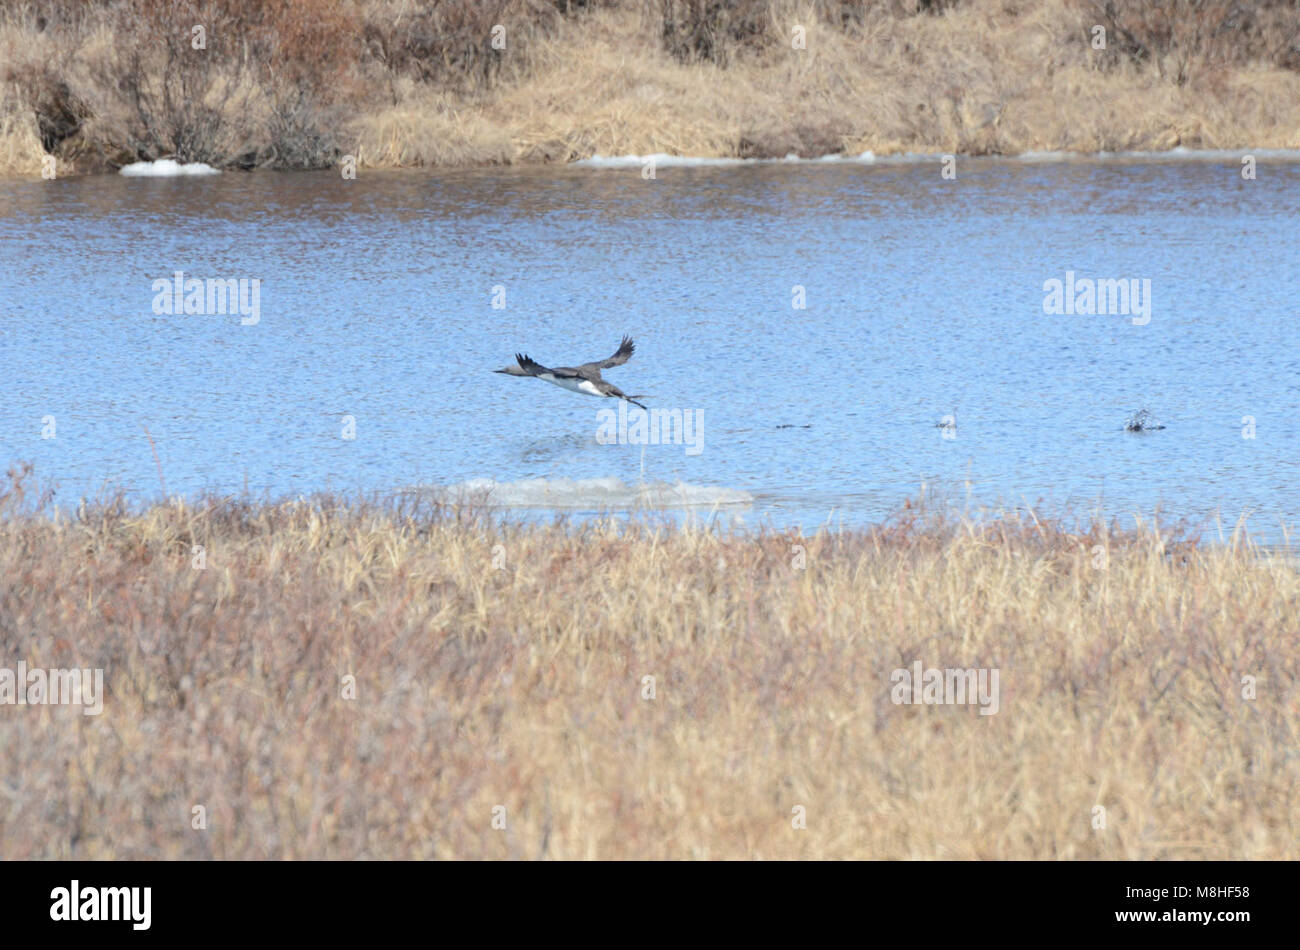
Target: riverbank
x=400 y=84
x=326 y=680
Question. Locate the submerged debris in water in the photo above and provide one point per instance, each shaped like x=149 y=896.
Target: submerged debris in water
x=1142 y=421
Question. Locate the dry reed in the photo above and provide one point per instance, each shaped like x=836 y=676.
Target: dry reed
x=503 y=664
x=301 y=83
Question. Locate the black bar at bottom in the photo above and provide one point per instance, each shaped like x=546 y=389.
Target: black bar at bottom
x=915 y=901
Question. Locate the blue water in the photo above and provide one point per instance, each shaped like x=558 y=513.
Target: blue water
x=924 y=298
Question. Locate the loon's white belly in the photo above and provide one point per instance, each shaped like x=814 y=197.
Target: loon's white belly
x=573 y=385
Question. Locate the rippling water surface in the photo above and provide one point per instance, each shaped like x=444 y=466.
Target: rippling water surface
x=924 y=299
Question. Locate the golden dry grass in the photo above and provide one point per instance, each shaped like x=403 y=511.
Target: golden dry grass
x=501 y=665
x=20 y=145
x=976 y=80
x=983 y=77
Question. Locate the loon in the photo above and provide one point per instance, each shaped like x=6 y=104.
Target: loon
x=579 y=379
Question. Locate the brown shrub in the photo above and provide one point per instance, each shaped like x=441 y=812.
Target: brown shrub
x=450 y=41
x=1185 y=37
x=712 y=30
x=290 y=83
x=478 y=683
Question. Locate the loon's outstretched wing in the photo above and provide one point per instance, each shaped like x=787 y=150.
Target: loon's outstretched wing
x=621 y=355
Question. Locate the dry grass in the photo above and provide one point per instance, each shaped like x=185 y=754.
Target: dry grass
x=299 y=83
x=504 y=665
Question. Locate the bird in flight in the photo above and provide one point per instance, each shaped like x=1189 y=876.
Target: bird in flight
x=579 y=379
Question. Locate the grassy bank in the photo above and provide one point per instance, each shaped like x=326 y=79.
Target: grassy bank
x=506 y=666
x=303 y=83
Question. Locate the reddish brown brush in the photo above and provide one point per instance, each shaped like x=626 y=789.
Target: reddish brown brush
x=346 y=680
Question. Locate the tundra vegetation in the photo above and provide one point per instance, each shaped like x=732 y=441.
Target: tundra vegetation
x=330 y=678
x=304 y=83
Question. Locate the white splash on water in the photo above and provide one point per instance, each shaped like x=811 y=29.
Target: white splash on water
x=590 y=494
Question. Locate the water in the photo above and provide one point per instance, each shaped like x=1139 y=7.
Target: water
x=924 y=298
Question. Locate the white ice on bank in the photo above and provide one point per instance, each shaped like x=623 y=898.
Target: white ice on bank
x=662 y=160
x=167 y=168
x=589 y=494
x=1178 y=154
x=913 y=158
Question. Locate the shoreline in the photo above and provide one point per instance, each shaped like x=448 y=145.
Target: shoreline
x=670 y=508
x=662 y=160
